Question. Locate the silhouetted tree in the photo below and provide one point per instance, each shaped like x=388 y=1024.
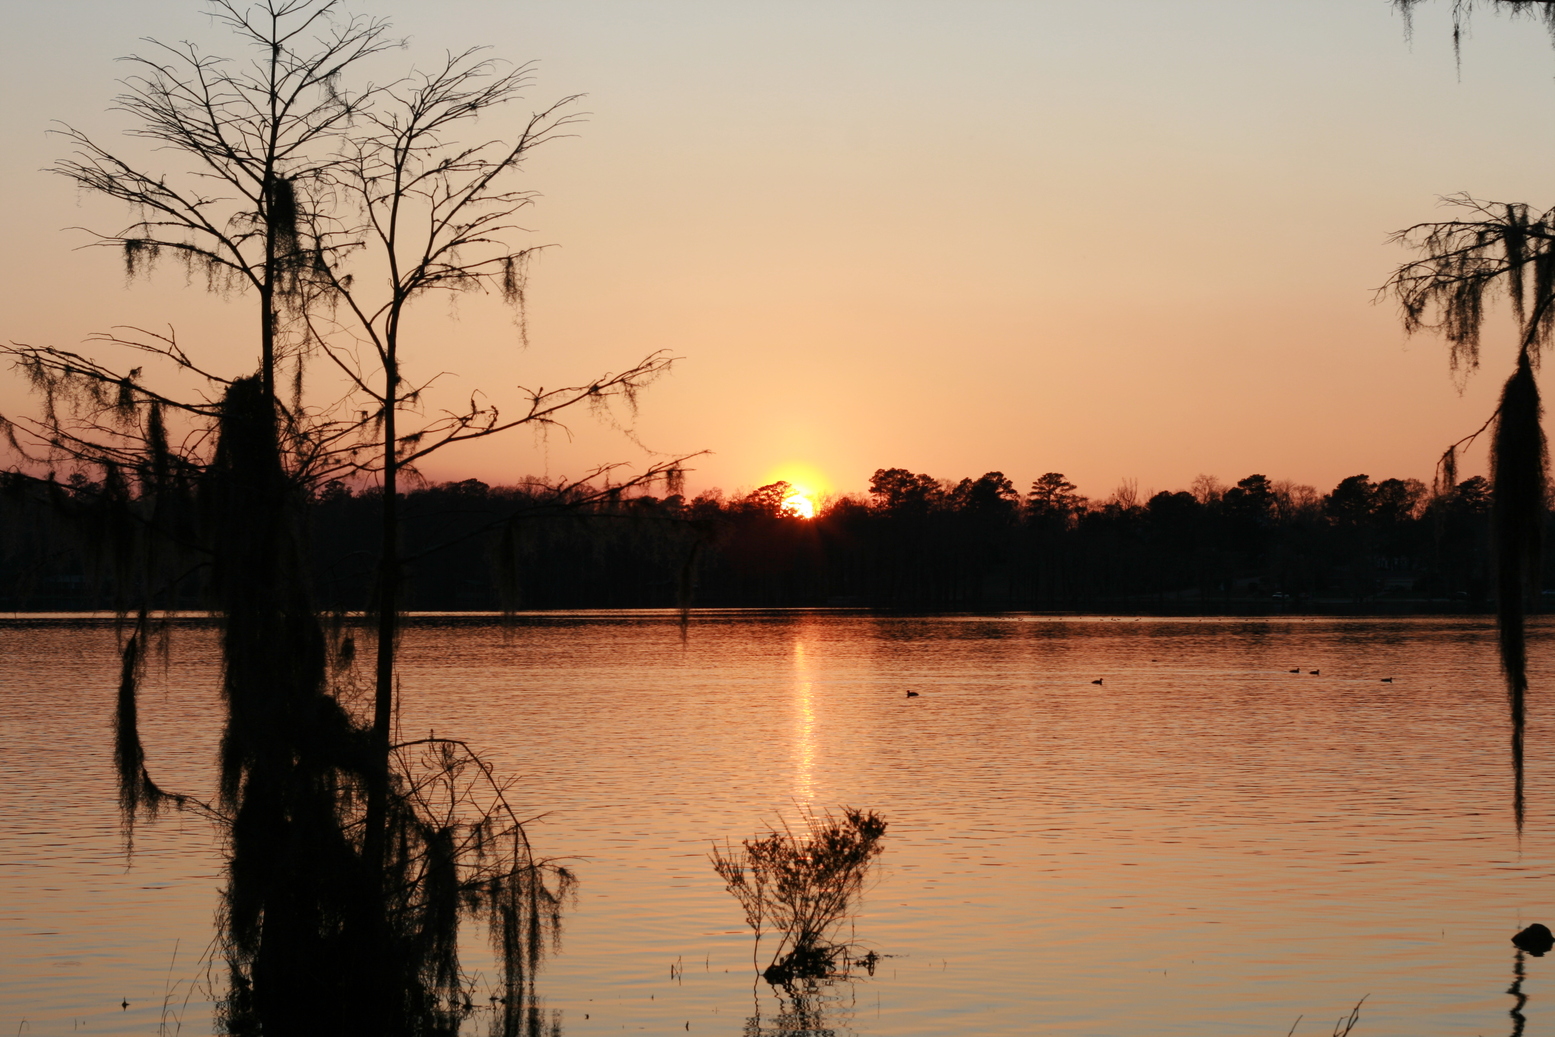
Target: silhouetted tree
x=899 y=491
x=1473 y=495
x=1053 y=500
x=1465 y=264
x=437 y=217
x=247 y=212
x=1252 y=497
x=1173 y=513
x=1397 y=500
x=768 y=499
x=350 y=867
x=991 y=495
x=1352 y=501
x=1249 y=511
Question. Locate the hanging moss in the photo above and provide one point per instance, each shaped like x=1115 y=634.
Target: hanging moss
x=318 y=938
x=1520 y=478
x=1510 y=248
x=138 y=794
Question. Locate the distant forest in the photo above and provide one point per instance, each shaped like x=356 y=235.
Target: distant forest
x=913 y=542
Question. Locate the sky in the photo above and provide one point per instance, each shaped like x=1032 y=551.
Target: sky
x=1123 y=241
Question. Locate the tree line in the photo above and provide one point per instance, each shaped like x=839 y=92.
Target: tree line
x=913 y=541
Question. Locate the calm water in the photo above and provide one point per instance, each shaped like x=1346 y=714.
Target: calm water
x=1203 y=844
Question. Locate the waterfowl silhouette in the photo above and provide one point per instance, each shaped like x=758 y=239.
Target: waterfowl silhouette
x=1313 y=672
x=1536 y=940
x=1387 y=680
x=1096 y=681
x=1296 y=670
x=912 y=694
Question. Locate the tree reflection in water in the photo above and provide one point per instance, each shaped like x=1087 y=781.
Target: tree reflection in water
x=316 y=941
x=802 y=1008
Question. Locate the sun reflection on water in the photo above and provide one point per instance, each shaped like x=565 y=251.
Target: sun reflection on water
x=804 y=728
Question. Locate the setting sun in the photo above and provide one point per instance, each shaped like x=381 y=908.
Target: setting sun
x=799 y=504
x=807 y=485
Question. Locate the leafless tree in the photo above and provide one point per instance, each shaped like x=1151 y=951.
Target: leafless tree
x=247 y=148
x=260 y=139
x=438 y=215
x=339 y=209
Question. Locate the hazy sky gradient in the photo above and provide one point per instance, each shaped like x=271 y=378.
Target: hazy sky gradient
x=1124 y=240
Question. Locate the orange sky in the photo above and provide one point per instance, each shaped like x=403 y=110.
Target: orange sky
x=1125 y=240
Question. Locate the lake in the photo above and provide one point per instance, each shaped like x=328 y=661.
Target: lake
x=1204 y=843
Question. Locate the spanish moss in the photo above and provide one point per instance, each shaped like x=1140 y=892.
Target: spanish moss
x=138 y=794
x=1520 y=478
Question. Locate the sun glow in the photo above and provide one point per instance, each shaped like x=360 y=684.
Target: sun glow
x=799 y=503
x=807 y=485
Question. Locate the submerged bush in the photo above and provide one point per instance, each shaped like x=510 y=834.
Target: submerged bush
x=803 y=886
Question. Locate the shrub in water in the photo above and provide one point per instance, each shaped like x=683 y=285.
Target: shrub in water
x=803 y=886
